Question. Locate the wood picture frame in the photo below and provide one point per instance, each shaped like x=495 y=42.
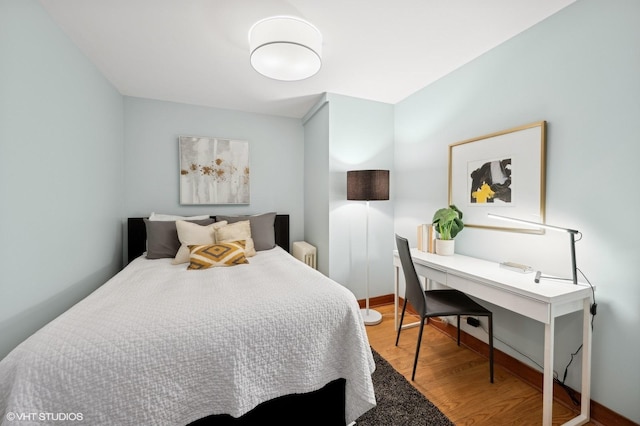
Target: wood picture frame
x=501 y=173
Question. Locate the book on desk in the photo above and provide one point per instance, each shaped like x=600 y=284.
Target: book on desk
x=426 y=238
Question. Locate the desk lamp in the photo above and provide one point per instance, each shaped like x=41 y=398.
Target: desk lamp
x=368 y=185
x=572 y=234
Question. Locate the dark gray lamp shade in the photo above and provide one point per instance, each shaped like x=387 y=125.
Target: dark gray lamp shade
x=368 y=185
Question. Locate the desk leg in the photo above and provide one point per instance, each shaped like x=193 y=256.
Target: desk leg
x=547 y=384
x=585 y=402
x=586 y=360
x=547 y=388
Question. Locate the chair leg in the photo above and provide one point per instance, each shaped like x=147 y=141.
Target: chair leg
x=458 y=330
x=491 y=347
x=415 y=361
x=404 y=307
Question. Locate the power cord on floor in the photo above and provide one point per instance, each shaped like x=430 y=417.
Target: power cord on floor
x=567 y=389
x=516 y=350
x=561 y=383
x=541 y=367
x=593 y=311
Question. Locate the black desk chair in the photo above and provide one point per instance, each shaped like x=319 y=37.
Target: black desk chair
x=435 y=303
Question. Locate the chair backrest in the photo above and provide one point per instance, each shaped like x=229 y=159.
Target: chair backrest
x=413 y=292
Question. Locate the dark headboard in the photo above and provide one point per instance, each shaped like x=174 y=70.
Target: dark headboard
x=137 y=235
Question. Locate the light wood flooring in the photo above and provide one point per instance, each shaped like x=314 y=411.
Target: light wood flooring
x=456 y=379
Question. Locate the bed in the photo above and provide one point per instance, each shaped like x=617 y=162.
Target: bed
x=165 y=345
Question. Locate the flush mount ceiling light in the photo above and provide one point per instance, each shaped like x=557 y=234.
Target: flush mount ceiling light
x=285 y=48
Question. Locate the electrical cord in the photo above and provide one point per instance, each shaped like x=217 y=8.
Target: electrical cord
x=569 y=391
x=561 y=383
x=593 y=311
x=594 y=305
x=515 y=350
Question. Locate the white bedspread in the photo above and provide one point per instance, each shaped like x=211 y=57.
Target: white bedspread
x=158 y=344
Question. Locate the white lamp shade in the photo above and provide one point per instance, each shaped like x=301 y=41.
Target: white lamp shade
x=285 y=48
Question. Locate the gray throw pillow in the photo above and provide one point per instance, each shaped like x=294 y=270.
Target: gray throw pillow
x=162 y=237
x=262 y=228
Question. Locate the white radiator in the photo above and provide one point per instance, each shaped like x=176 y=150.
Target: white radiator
x=305 y=252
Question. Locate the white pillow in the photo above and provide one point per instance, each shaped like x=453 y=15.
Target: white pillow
x=237 y=231
x=168 y=217
x=190 y=234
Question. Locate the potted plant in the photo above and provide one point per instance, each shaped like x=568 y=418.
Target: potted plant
x=448 y=223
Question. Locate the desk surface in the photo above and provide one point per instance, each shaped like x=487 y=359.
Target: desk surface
x=491 y=274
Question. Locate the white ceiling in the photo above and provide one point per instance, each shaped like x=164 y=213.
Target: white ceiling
x=197 y=51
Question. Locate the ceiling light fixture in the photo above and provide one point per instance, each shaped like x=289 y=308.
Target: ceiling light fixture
x=285 y=48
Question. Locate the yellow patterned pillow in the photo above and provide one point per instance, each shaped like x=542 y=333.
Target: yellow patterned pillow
x=221 y=254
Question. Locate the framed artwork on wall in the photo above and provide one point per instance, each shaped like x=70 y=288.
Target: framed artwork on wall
x=501 y=173
x=213 y=170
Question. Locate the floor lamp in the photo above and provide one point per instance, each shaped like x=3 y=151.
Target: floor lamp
x=368 y=185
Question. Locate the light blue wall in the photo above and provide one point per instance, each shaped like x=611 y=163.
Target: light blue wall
x=61 y=155
x=316 y=182
x=344 y=133
x=276 y=147
x=361 y=137
x=580 y=71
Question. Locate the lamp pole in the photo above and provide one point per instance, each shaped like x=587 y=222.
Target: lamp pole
x=367 y=255
x=572 y=235
x=572 y=239
x=368 y=185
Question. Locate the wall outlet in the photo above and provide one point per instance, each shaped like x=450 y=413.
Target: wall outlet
x=473 y=322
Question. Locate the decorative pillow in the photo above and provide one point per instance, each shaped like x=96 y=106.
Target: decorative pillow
x=160 y=217
x=220 y=254
x=235 y=232
x=191 y=233
x=162 y=238
x=262 y=228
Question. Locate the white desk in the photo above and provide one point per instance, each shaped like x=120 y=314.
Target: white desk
x=516 y=292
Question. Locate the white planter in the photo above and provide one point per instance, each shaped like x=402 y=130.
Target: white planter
x=445 y=247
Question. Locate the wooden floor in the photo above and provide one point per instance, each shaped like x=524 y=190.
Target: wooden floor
x=456 y=379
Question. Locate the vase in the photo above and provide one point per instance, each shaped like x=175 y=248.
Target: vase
x=445 y=247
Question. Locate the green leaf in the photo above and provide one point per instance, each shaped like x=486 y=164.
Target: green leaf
x=448 y=222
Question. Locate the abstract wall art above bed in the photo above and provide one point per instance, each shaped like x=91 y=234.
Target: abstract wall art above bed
x=213 y=170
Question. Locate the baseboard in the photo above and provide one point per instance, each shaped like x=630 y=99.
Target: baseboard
x=377 y=301
x=599 y=413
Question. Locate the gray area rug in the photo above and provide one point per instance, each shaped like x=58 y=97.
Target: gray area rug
x=398 y=402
